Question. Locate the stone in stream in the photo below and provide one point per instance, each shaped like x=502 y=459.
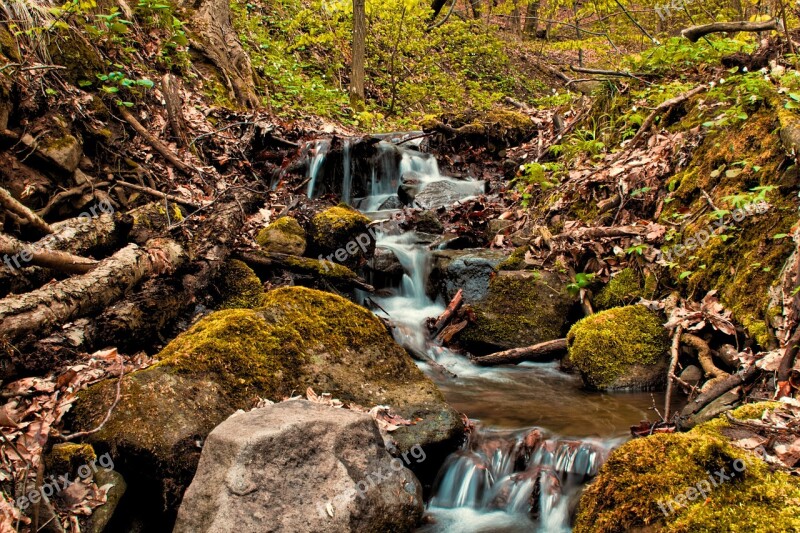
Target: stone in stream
x=284 y=236
x=469 y=270
x=299 y=338
x=519 y=309
x=411 y=184
x=438 y=194
x=341 y=234
x=694 y=481
x=298 y=467
x=619 y=349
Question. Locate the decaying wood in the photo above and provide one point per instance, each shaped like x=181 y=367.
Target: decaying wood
x=694 y=33
x=448 y=313
x=673 y=363
x=606 y=231
x=544 y=351
x=159 y=194
x=303 y=266
x=661 y=108
x=787 y=364
x=42 y=257
x=159 y=146
x=170 y=88
x=704 y=358
x=15 y=206
x=445 y=337
x=41 y=310
x=718 y=389
x=602 y=72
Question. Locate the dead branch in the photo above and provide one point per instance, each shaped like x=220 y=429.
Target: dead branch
x=704 y=358
x=448 y=313
x=159 y=194
x=718 y=389
x=694 y=33
x=605 y=231
x=673 y=363
x=15 y=206
x=601 y=72
x=53 y=259
x=159 y=146
x=81 y=434
x=172 y=101
x=544 y=351
x=787 y=364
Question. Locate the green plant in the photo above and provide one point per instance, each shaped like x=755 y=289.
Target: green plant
x=581 y=281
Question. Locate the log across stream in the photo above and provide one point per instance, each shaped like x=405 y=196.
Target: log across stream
x=539 y=436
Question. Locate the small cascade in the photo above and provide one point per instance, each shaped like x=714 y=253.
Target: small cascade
x=317 y=151
x=347 y=171
x=525 y=475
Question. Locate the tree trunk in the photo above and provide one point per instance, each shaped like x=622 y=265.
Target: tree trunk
x=214 y=36
x=696 y=32
x=532 y=18
x=359 y=44
x=437 y=6
x=544 y=351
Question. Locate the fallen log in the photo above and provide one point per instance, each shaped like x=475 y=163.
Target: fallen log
x=544 y=351
x=15 y=254
x=718 y=389
x=338 y=275
x=694 y=33
x=15 y=206
x=39 y=311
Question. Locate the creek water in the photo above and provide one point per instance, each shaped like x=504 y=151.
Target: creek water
x=539 y=436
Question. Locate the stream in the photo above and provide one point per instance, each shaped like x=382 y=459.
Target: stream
x=539 y=436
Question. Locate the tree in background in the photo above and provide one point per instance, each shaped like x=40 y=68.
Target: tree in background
x=359 y=45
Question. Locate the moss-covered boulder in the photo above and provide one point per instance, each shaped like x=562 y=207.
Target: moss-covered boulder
x=299 y=338
x=284 y=236
x=620 y=348
x=341 y=234
x=670 y=482
x=519 y=309
x=624 y=289
x=239 y=286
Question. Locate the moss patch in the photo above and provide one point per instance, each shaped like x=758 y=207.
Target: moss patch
x=657 y=469
x=623 y=347
x=515 y=261
x=239 y=287
x=285 y=236
x=68 y=457
x=624 y=289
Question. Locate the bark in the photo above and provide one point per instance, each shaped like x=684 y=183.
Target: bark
x=215 y=37
x=719 y=388
x=359 y=45
x=16 y=253
x=448 y=313
x=15 y=206
x=41 y=310
x=303 y=266
x=170 y=87
x=544 y=351
x=532 y=18
x=696 y=32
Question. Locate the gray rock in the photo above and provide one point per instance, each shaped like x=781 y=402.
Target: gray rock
x=438 y=194
x=463 y=269
x=66 y=152
x=692 y=375
x=729 y=355
x=299 y=467
x=724 y=403
x=102 y=515
x=393 y=202
x=410 y=186
x=428 y=222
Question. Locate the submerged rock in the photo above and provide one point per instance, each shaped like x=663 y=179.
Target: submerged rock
x=669 y=482
x=520 y=309
x=621 y=348
x=299 y=338
x=284 y=236
x=300 y=466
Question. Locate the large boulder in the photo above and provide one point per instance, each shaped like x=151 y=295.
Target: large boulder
x=519 y=309
x=438 y=194
x=299 y=338
x=298 y=467
x=469 y=270
x=695 y=481
x=284 y=236
x=342 y=234
x=620 y=348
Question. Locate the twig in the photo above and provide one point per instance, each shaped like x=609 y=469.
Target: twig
x=673 y=363
x=159 y=194
x=15 y=206
x=81 y=434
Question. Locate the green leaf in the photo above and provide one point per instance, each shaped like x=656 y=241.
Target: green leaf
x=780 y=236
x=144 y=82
x=685 y=274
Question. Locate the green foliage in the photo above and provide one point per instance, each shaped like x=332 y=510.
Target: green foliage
x=678 y=53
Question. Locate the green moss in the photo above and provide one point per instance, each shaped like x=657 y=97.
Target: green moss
x=8 y=45
x=239 y=287
x=285 y=235
x=335 y=226
x=68 y=457
x=329 y=270
x=516 y=261
x=81 y=60
x=647 y=471
x=605 y=345
x=625 y=288
x=520 y=309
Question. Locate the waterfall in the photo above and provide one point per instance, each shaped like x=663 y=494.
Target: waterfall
x=347 y=171
x=317 y=152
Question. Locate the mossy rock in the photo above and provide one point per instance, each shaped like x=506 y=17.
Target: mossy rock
x=496 y=129
x=335 y=235
x=625 y=288
x=520 y=309
x=239 y=286
x=515 y=261
x=284 y=236
x=299 y=338
x=639 y=481
x=620 y=348
x=68 y=457
x=71 y=50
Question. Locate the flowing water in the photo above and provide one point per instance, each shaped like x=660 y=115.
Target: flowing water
x=538 y=435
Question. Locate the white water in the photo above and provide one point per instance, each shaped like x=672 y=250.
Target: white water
x=489 y=484
x=317 y=152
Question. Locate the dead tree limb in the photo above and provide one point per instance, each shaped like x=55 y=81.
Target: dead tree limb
x=159 y=194
x=787 y=364
x=601 y=72
x=15 y=206
x=544 y=351
x=448 y=313
x=17 y=253
x=694 y=33
x=673 y=363
x=159 y=146
x=41 y=310
x=170 y=87
x=720 y=388
x=704 y=358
